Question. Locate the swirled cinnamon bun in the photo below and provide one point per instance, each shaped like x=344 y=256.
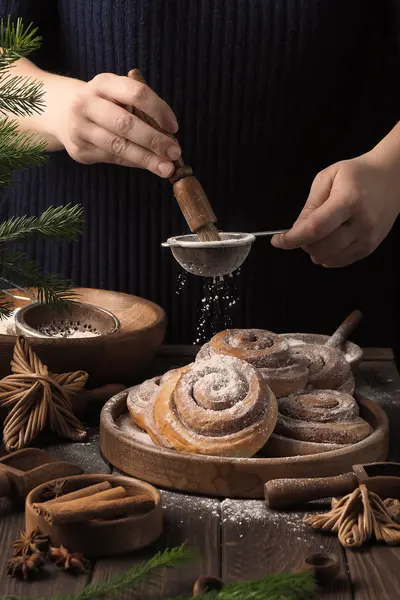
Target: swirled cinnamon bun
x=316 y=421
x=219 y=406
x=284 y=372
x=140 y=402
x=328 y=368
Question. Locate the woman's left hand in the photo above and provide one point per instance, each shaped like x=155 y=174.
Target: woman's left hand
x=351 y=208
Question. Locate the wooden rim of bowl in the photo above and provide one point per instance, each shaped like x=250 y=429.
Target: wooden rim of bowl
x=116 y=406
x=96 y=478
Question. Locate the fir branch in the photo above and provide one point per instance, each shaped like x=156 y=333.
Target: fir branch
x=283 y=586
x=16 y=41
x=21 y=95
x=17 y=150
x=174 y=558
x=61 y=222
x=51 y=289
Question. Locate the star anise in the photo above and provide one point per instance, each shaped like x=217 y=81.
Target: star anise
x=25 y=567
x=53 y=490
x=31 y=543
x=69 y=561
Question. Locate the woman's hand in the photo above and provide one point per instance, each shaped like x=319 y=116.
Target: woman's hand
x=351 y=208
x=93 y=125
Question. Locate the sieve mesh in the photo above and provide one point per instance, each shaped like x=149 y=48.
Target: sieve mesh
x=67 y=329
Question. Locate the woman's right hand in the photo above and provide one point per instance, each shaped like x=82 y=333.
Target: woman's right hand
x=95 y=127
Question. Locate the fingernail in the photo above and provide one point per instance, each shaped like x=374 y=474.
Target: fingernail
x=173 y=152
x=275 y=241
x=165 y=169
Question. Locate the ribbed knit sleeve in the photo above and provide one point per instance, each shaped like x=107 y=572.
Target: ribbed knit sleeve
x=267 y=93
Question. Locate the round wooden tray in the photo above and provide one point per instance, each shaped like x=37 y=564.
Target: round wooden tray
x=98 y=538
x=131 y=450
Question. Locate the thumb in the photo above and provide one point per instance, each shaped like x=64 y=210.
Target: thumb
x=319 y=193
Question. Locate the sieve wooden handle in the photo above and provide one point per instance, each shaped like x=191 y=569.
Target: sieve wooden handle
x=188 y=191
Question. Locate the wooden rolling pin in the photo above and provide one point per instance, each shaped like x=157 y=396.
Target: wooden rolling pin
x=188 y=191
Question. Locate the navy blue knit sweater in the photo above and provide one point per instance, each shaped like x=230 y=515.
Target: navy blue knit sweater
x=267 y=93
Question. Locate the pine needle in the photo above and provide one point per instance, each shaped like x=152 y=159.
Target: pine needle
x=174 y=558
x=17 y=149
x=60 y=222
x=51 y=289
x=16 y=41
x=283 y=586
x=21 y=95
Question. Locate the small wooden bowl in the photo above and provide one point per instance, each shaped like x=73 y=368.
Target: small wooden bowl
x=352 y=352
x=120 y=357
x=98 y=538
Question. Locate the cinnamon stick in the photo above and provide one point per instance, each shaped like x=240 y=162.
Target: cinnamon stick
x=44 y=508
x=68 y=512
x=81 y=493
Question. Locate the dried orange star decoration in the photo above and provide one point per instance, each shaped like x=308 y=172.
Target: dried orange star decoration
x=38 y=398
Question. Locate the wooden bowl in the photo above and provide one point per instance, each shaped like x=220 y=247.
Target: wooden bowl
x=98 y=538
x=131 y=450
x=352 y=352
x=120 y=357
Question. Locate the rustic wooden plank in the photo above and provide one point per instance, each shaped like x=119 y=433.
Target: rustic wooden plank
x=189 y=519
x=257 y=541
x=378 y=354
x=380 y=381
x=374 y=572
x=54 y=583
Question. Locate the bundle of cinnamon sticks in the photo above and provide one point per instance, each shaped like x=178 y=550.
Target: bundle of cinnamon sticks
x=99 y=501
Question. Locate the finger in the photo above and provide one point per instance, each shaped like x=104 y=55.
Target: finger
x=350 y=255
x=333 y=244
x=317 y=225
x=126 y=152
x=127 y=91
x=117 y=120
x=90 y=155
x=319 y=193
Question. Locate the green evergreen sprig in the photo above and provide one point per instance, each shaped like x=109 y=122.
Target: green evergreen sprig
x=51 y=288
x=17 y=149
x=283 y=586
x=22 y=96
x=61 y=222
x=17 y=41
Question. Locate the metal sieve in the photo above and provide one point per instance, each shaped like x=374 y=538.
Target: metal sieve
x=80 y=320
x=214 y=259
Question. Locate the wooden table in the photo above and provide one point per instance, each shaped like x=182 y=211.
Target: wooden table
x=236 y=539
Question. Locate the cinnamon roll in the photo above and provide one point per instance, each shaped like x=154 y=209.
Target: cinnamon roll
x=219 y=406
x=284 y=372
x=316 y=421
x=328 y=368
x=140 y=403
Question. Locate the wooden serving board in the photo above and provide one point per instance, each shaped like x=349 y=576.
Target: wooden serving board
x=130 y=450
